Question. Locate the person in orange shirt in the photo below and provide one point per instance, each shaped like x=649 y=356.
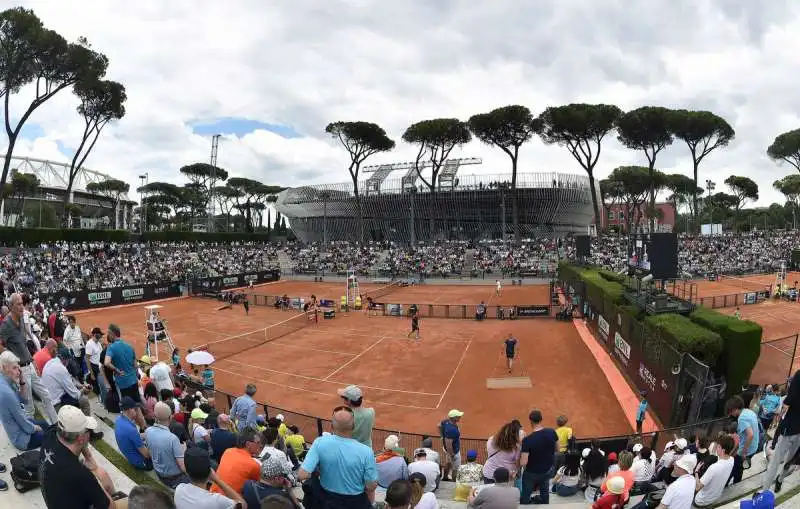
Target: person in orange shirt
x=45 y=354
x=624 y=463
x=238 y=464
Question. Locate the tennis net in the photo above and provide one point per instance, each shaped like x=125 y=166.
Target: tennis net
x=233 y=345
x=746 y=284
x=382 y=291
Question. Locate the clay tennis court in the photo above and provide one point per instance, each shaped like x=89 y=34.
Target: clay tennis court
x=411 y=384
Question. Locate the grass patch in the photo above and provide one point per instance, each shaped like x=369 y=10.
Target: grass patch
x=119 y=461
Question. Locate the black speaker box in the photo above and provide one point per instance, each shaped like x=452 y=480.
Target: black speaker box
x=663 y=255
x=583 y=244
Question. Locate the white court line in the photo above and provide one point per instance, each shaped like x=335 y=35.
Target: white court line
x=306 y=348
x=373 y=345
x=400 y=337
x=453 y=376
x=377 y=402
x=317 y=379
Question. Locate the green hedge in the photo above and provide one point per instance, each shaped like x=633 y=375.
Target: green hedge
x=612 y=276
x=687 y=336
x=742 y=345
x=35 y=236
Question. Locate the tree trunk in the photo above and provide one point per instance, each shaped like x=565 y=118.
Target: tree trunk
x=696 y=225
x=652 y=207
x=515 y=201
x=595 y=209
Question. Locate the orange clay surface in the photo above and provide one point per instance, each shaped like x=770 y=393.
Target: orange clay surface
x=412 y=385
x=739 y=285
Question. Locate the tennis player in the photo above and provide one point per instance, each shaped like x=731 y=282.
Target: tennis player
x=414 y=324
x=510 y=347
x=498 y=289
x=246 y=302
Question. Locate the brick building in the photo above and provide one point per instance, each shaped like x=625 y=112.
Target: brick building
x=615 y=216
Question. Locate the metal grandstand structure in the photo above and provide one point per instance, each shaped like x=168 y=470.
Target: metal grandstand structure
x=54 y=177
x=463 y=207
x=447 y=175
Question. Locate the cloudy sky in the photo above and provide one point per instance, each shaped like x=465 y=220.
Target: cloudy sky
x=269 y=75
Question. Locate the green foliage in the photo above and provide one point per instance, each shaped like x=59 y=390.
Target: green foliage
x=742 y=345
x=361 y=140
x=611 y=276
x=36 y=236
x=786 y=147
x=40 y=215
x=112 y=188
x=790 y=187
x=436 y=139
x=32 y=53
x=581 y=128
x=687 y=336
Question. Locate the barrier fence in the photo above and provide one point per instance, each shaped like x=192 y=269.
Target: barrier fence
x=687 y=290
x=104 y=297
x=775 y=364
x=312 y=427
x=467 y=311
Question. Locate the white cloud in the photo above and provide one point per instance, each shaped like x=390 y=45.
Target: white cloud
x=306 y=63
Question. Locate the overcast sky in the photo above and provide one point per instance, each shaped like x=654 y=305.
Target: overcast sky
x=269 y=75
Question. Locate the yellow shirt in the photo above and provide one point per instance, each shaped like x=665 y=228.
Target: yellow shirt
x=296 y=442
x=564 y=434
x=282 y=429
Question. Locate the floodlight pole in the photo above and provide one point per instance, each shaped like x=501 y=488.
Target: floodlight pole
x=143 y=180
x=211 y=210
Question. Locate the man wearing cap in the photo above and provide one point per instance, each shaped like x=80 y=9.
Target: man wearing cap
x=165 y=448
x=194 y=495
x=244 y=411
x=347 y=471
x=63 y=389
x=121 y=359
x=500 y=494
x=451 y=443
x=129 y=440
x=94 y=347
x=426 y=467
x=679 y=494
x=66 y=481
x=364 y=417
x=12 y=337
x=274 y=481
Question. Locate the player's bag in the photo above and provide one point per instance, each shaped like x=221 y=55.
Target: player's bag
x=112 y=402
x=25 y=470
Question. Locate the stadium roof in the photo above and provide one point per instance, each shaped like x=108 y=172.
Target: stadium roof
x=55 y=175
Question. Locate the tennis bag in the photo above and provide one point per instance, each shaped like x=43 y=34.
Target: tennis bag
x=25 y=470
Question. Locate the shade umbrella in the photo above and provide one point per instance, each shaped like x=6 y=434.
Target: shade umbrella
x=199 y=358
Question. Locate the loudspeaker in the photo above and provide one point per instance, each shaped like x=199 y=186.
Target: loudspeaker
x=583 y=244
x=663 y=254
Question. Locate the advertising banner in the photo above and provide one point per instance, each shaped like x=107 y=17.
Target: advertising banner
x=532 y=311
x=104 y=297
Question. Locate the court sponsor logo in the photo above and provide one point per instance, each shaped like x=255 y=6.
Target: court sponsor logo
x=602 y=324
x=527 y=311
x=647 y=377
x=99 y=298
x=622 y=348
x=250 y=277
x=129 y=294
x=230 y=281
x=161 y=290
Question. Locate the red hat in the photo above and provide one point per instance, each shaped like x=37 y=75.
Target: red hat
x=612 y=456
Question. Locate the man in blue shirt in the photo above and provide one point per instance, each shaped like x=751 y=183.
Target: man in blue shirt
x=510 y=345
x=129 y=440
x=641 y=413
x=165 y=448
x=749 y=436
x=23 y=432
x=768 y=407
x=244 y=411
x=537 y=457
x=347 y=470
x=451 y=441
x=121 y=359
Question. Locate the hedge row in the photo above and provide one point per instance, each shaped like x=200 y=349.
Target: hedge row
x=687 y=336
x=35 y=236
x=727 y=344
x=742 y=344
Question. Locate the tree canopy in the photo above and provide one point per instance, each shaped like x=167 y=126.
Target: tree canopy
x=743 y=189
x=30 y=53
x=581 y=128
x=361 y=140
x=786 y=147
x=436 y=138
x=790 y=187
x=703 y=132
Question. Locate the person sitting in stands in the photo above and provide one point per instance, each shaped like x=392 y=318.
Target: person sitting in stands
x=129 y=440
x=274 y=481
x=391 y=464
x=194 y=495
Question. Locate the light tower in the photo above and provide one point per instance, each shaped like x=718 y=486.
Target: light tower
x=212 y=209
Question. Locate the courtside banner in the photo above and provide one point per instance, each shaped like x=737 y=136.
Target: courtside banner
x=104 y=297
x=220 y=283
x=532 y=311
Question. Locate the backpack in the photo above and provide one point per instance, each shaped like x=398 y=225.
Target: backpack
x=25 y=470
x=112 y=402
